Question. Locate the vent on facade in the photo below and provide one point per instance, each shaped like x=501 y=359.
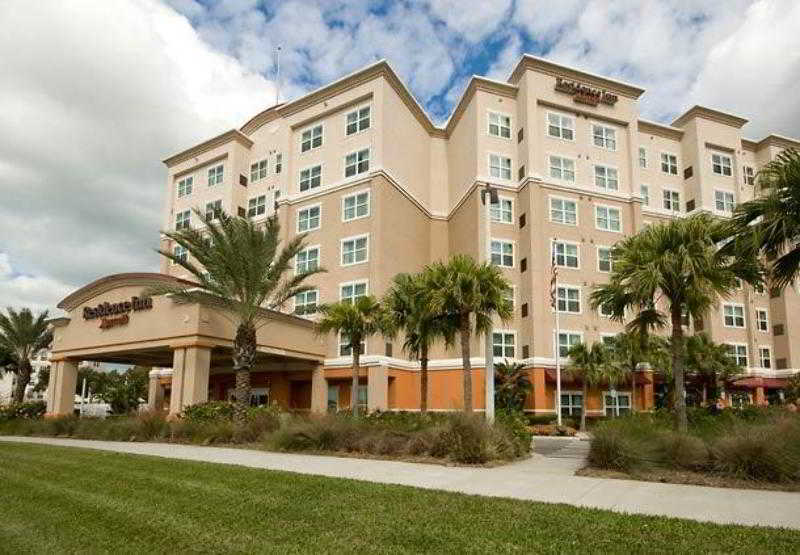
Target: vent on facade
x=521 y=173
x=777 y=329
x=523 y=265
x=520 y=135
x=388 y=349
x=780 y=364
x=526 y=352
x=688 y=172
x=524 y=310
x=242 y=180
x=242 y=212
x=690 y=205
x=522 y=220
x=774 y=293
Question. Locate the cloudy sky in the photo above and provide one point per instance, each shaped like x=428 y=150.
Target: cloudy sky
x=93 y=94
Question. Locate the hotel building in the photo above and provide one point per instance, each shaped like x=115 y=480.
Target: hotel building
x=379 y=189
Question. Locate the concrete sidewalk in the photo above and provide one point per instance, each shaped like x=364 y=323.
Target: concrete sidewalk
x=537 y=479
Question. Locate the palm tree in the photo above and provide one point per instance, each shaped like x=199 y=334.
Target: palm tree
x=771 y=223
x=355 y=321
x=631 y=349
x=469 y=292
x=677 y=264
x=408 y=309
x=240 y=269
x=22 y=335
x=593 y=365
x=512 y=385
x=711 y=363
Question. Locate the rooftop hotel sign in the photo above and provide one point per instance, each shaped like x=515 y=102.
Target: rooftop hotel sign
x=585 y=94
x=116 y=314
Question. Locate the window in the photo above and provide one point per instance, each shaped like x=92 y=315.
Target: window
x=562 y=168
x=355 y=206
x=499 y=166
x=672 y=200
x=606 y=311
x=645 y=193
x=604 y=137
x=604 y=259
x=762 y=320
x=616 y=403
x=503 y=211
x=357 y=120
x=669 y=163
x=569 y=299
x=749 y=175
x=606 y=178
x=607 y=218
x=362 y=394
x=723 y=201
x=258 y=170
x=721 y=164
x=185 y=186
x=180 y=253
x=307 y=260
x=733 y=315
x=183 y=220
x=306 y=302
x=565 y=254
x=354 y=250
x=566 y=341
x=499 y=125
x=308 y=219
x=256 y=206
x=571 y=403
x=765 y=357
x=213 y=210
x=310 y=178
x=642 y=157
x=508 y=295
x=333 y=398
x=563 y=211
x=561 y=127
x=311 y=138
x=344 y=347
x=738 y=353
x=503 y=344
x=215 y=175
x=356 y=162
x=349 y=292
x=503 y=253
x=278 y=162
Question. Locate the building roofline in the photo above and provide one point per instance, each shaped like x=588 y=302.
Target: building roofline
x=475 y=83
x=709 y=114
x=779 y=140
x=648 y=126
x=106 y=283
x=222 y=138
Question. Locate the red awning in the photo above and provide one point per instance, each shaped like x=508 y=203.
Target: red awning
x=550 y=376
x=768 y=383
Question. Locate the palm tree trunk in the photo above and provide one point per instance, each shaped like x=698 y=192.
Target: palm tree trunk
x=244 y=357
x=356 y=371
x=584 y=403
x=677 y=371
x=464 y=333
x=23 y=379
x=633 y=386
x=423 y=380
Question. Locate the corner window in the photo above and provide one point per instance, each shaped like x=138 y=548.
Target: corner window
x=606 y=178
x=307 y=260
x=502 y=211
x=311 y=138
x=503 y=344
x=566 y=341
x=565 y=254
x=499 y=125
x=310 y=178
x=308 y=219
x=563 y=211
x=357 y=120
x=561 y=126
x=355 y=206
x=503 y=253
x=306 y=302
x=183 y=220
x=645 y=194
x=256 y=206
x=499 y=166
x=604 y=263
x=733 y=315
x=672 y=200
x=568 y=299
x=604 y=137
x=607 y=218
x=354 y=250
x=642 y=157
x=762 y=320
x=349 y=292
x=562 y=168
x=723 y=201
x=185 y=186
x=669 y=163
x=258 y=170
x=215 y=175
x=213 y=210
x=356 y=162
x=721 y=164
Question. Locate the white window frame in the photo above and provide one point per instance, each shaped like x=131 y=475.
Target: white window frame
x=278 y=168
x=257 y=174
x=184 y=253
x=661 y=162
x=616 y=405
x=644 y=193
x=553 y=255
x=212 y=203
x=722 y=164
x=642 y=157
x=561 y=179
x=735 y=355
x=610 y=261
x=609 y=209
x=560 y=126
x=500 y=126
x=551 y=198
x=353 y=238
x=504 y=333
x=764 y=320
x=734 y=316
x=761 y=349
x=311 y=128
x=572 y=410
x=353 y=284
x=341 y=344
x=219 y=174
x=672 y=210
x=305 y=296
x=181 y=184
x=724 y=193
x=567 y=286
x=605 y=129
x=359 y=120
x=513 y=297
x=183 y=220
x=358 y=162
x=749 y=174
x=356 y=195
x=499 y=211
x=557 y=345
x=255 y=206
x=606 y=177
x=502 y=243
x=307 y=250
x=306 y=208
x=501 y=158
x=605 y=316
x=309 y=169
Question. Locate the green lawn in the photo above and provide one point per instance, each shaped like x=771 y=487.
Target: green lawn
x=56 y=500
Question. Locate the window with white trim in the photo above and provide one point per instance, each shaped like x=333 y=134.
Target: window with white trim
x=278 y=162
x=509 y=295
x=563 y=211
x=571 y=403
x=307 y=260
x=310 y=178
x=738 y=353
x=215 y=175
x=345 y=350
x=308 y=219
x=568 y=299
x=669 y=163
x=349 y=292
x=606 y=178
x=765 y=357
x=502 y=211
x=721 y=164
x=560 y=126
x=672 y=200
x=258 y=170
x=749 y=175
x=311 y=138
x=616 y=403
x=642 y=157
x=503 y=344
x=213 y=210
x=355 y=250
x=565 y=254
x=181 y=253
x=306 y=302
x=185 y=186
x=499 y=166
x=606 y=311
x=562 y=168
x=566 y=341
x=723 y=201
x=499 y=125
x=503 y=253
x=762 y=320
x=644 y=191
x=733 y=315
x=604 y=137
x=607 y=218
x=357 y=120
x=356 y=163
x=183 y=220
x=604 y=263
x=257 y=206
x=355 y=206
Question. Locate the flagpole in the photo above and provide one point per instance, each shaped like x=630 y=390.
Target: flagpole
x=556 y=331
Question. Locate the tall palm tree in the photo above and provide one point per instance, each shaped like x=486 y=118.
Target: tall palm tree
x=677 y=264
x=710 y=363
x=240 y=268
x=408 y=309
x=355 y=321
x=771 y=222
x=22 y=335
x=592 y=365
x=473 y=293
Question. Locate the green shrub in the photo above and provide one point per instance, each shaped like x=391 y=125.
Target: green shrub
x=515 y=424
x=464 y=438
x=540 y=419
x=209 y=411
x=758 y=453
x=29 y=410
x=613 y=449
x=680 y=451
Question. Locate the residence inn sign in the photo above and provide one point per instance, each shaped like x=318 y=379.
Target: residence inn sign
x=116 y=314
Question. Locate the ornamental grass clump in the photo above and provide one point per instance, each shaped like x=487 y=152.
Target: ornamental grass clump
x=760 y=452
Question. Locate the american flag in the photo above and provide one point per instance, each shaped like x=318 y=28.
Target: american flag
x=553 y=281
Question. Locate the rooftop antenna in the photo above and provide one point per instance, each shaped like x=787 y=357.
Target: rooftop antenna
x=278 y=75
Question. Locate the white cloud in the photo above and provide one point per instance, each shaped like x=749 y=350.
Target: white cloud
x=473 y=20
x=36 y=293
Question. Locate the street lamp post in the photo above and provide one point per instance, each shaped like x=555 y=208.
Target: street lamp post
x=491 y=193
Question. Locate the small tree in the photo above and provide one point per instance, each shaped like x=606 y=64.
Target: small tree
x=22 y=335
x=792 y=394
x=593 y=365
x=124 y=392
x=511 y=385
x=710 y=363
